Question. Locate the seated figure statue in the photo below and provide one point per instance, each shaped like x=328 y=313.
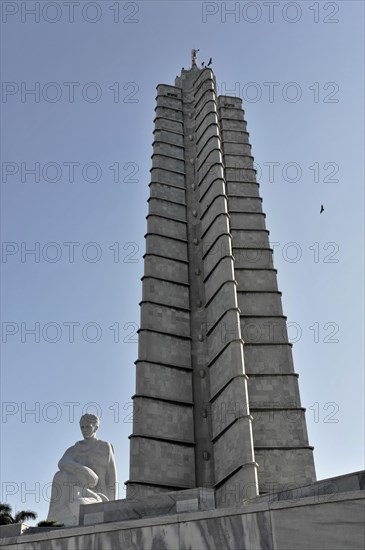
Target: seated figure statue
x=86 y=475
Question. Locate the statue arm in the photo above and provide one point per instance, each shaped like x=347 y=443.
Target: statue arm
x=111 y=476
x=85 y=475
x=67 y=461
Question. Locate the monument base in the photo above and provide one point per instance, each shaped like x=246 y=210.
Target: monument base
x=327 y=515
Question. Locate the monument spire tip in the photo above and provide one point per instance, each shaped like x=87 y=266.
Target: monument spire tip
x=193 y=57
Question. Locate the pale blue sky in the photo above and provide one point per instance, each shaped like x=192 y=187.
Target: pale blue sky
x=320 y=58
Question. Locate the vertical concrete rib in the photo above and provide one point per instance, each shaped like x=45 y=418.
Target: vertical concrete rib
x=231 y=430
x=279 y=427
x=200 y=379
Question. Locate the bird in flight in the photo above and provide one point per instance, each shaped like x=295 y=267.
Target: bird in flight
x=210 y=62
x=322 y=209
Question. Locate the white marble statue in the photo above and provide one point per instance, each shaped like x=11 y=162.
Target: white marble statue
x=86 y=475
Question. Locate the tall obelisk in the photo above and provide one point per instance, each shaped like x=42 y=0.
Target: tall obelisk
x=217 y=401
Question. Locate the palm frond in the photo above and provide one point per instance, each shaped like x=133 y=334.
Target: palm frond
x=6 y=519
x=24 y=515
x=5 y=508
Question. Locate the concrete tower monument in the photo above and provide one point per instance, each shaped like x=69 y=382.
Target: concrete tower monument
x=217 y=401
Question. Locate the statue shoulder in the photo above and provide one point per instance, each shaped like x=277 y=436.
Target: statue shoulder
x=105 y=444
x=73 y=448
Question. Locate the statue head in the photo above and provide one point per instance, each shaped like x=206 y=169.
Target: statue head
x=89 y=423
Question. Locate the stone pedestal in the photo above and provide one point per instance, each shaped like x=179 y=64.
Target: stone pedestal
x=161 y=504
x=327 y=515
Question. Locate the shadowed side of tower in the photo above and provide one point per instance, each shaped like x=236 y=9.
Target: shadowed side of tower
x=162 y=443
x=217 y=401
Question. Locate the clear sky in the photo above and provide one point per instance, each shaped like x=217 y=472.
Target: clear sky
x=86 y=132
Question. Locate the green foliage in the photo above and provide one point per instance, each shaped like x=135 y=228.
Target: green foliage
x=49 y=523
x=6 y=517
